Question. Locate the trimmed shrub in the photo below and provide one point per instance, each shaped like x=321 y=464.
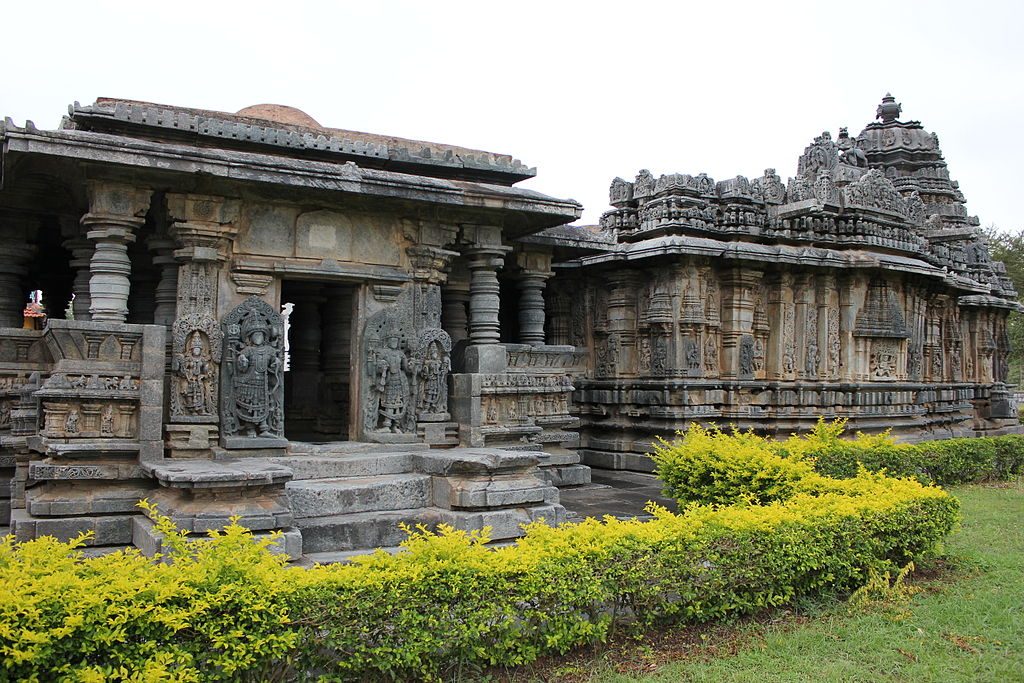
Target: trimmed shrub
x=943 y=462
x=770 y=529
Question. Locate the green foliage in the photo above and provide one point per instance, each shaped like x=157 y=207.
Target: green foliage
x=708 y=465
x=770 y=529
x=211 y=611
x=1008 y=247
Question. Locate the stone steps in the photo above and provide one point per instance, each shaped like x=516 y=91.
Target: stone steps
x=359 y=531
x=348 y=495
x=306 y=467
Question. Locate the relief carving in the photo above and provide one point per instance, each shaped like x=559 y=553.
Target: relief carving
x=748 y=356
x=711 y=355
x=883 y=359
x=834 y=343
x=252 y=403
x=431 y=365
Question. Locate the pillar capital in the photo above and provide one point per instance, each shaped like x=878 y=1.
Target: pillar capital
x=116 y=204
x=430 y=264
x=203 y=226
x=115 y=211
x=486 y=257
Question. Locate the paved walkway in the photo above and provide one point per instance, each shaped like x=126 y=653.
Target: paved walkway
x=616 y=493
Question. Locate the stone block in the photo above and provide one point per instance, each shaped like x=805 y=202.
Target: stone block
x=566 y=475
x=325 y=497
x=464 y=461
x=149 y=541
x=362 y=530
x=484 y=358
x=112 y=530
x=487 y=492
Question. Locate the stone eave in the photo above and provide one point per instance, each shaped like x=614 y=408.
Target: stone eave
x=811 y=257
x=989 y=301
x=239 y=131
x=264 y=169
x=578 y=238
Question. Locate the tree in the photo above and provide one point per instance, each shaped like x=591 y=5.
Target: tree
x=1008 y=247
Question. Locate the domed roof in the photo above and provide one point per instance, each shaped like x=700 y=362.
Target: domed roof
x=279 y=113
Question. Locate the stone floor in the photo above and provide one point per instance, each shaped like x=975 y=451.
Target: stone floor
x=614 y=492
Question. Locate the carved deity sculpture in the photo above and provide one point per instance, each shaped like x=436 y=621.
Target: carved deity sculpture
x=692 y=355
x=883 y=360
x=391 y=370
x=431 y=365
x=253 y=384
x=758 y=358
x=194 y=375
x=107 y=422
x=747 y=355
x=71 y=422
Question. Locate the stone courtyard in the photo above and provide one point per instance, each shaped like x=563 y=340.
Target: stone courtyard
x=327 y=333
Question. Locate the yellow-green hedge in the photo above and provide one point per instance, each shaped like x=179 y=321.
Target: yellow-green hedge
x=228 y=610
x=943 y=462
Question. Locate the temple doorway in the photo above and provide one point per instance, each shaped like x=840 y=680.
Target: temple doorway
x=317 y=406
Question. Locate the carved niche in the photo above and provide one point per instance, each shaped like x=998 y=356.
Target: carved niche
x=748 y=357
x=834 y=343
x=252 y=376
x=884 y=354
x=196 y=347
x=387 y=400
x=431 y=365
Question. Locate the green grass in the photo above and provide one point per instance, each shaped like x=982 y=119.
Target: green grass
x=967 y=627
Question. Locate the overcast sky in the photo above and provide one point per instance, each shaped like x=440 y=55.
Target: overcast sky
x=584 y=92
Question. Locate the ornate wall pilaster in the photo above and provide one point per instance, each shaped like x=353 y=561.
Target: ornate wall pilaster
x=738 y=341
x=622 y=305
x=115 y=212
x=202 y=227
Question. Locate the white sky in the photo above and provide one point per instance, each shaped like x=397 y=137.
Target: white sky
x=584 y=91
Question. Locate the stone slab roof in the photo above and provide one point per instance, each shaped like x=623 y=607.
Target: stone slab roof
x=284 y=130
x=529 y=210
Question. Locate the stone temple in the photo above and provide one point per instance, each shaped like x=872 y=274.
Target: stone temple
x=327 y=332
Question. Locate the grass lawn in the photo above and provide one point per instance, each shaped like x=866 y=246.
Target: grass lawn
x=965 y=623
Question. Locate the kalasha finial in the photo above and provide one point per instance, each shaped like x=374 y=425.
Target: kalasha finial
x=889 y=109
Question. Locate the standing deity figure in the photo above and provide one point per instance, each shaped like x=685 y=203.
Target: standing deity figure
x=257 y=375
x=392 y=384
x=194 y=377
x=433 y=374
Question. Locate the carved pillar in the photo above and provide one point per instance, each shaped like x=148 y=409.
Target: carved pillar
x=202 y=227
x=302 y=383
x=115 y=211
x=534 y=269
x=81 y=256
x=455 y=302
x=13 y=269
x=166 y=293
x=531 y=307
x=484 y=300
x=430 y=267
x=335 y=362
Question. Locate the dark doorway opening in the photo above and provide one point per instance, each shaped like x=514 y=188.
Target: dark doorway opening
x=317 y=405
